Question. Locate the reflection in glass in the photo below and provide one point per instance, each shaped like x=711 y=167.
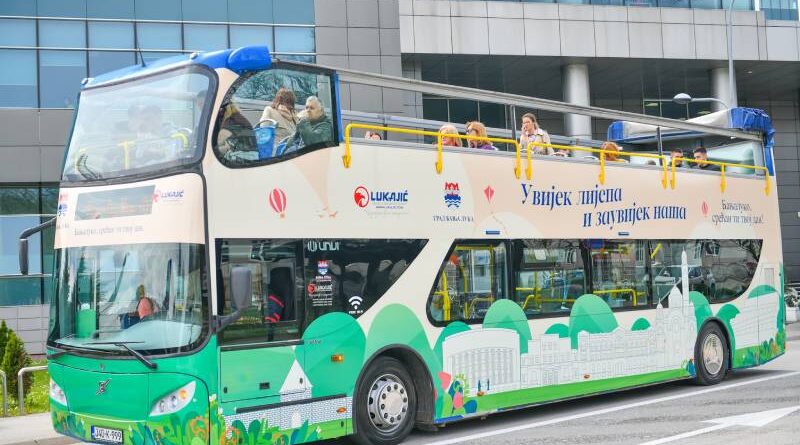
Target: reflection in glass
x=206 y=10
x=118 y=35
x=295 y=11
x=294 y=40
x=15 y=32
x=62 y=34
x=158 y=9
x=159 y=36
x=248 y=11
x=141 y=125
x=205 y=37
x=251 y=35
x=101 y=62
x=148 y=294
x=61 y=8
x=61 y=73
x=17 y=78
x=110 y=9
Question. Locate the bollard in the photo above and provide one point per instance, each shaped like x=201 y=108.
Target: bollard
x=21 y=386
x=5 y=393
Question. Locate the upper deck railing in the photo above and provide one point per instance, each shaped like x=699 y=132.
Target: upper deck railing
x=666 y=163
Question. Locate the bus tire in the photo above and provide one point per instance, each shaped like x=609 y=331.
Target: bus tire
x=385 y=404
x=711 y=355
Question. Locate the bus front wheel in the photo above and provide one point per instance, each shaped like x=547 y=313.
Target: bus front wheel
x=711 y=355
x=385 y=404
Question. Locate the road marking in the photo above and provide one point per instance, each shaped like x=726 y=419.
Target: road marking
x=758 y=419
x=608 y=410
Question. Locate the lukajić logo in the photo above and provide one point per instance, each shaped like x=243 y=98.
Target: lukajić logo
x=452 y=195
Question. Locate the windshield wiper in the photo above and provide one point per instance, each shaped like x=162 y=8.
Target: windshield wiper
x=72 y=350
x=84 y=169
x=133 y=352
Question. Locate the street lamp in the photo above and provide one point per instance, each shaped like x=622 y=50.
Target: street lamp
x=683 y=99
x=731 y=79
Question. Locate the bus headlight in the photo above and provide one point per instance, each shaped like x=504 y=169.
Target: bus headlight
x=57 y=394
x=174 y=401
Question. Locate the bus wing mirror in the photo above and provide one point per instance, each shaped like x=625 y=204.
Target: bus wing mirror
x=241 y=295
x=23 y=243
x=241 y=288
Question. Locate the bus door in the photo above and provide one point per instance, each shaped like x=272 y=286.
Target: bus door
x=259 y=363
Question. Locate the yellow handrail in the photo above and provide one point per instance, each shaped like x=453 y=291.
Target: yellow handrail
x=619 y=291
x=347 y=157
x=126 y=145
x=473 y=302
x=602 y=176
x=722 y=166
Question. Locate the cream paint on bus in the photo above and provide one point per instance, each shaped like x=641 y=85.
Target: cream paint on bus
x=145 y=212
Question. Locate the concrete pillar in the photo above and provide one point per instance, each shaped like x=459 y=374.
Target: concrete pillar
x=720 y=88
x=576 y=91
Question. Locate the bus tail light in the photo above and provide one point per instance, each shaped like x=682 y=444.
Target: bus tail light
x=174 y=401
x=57 y=394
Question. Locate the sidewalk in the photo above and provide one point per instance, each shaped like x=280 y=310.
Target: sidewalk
x=33 y=429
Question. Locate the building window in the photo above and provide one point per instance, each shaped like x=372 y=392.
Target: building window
x=159 y=36
x=16 y=32
x=294 y=40
x=205 y=37
x=23 y=207
x=114 y=35
x=295 y=11
x=110 y=9
x=158 y=9
x=248 y=11
x=61 y=8
x=101 y=62
x=62 y=34
x=18 y=78
x=61 y=73
x=242 y=35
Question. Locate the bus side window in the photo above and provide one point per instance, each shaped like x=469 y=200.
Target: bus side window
x=274 y=311
x=549 y=275
x=472 y=277
x=619 y=272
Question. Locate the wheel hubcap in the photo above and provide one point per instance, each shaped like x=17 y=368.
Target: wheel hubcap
x=713 y=354
x=387 y=403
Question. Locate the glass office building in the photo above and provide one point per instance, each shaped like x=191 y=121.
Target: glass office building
x=48 y=46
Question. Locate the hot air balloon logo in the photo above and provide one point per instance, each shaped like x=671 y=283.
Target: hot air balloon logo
x=704 y=208
x=277 y=200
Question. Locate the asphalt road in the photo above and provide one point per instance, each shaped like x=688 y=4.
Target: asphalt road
x=668 y=413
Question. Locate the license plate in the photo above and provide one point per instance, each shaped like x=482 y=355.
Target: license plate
x=106 y=435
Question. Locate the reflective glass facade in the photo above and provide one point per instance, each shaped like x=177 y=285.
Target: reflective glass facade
x=699 y=4
x=48 y=46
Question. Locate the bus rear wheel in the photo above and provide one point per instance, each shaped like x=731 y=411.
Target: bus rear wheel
x=385 y=404
x=711 y=355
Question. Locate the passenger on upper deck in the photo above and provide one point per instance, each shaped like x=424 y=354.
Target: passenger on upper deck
x=449 y=141
x=374 y=135
x=531 y=132
x=676 y=155
x=612 y=147
x=701 y=155
x=283 y=113
x=235 y=139
x=314 y=127
x=477 y=129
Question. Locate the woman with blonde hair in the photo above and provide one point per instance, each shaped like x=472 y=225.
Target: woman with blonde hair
x=612 y=147
x=477 y=129
x=449 y=141
x=532 y=132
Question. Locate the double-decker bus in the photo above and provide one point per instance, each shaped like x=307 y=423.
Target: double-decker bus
x=235 y=266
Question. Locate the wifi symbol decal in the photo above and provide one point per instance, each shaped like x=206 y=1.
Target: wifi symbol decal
x=355 y=302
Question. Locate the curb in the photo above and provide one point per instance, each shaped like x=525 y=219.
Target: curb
x=64 y=440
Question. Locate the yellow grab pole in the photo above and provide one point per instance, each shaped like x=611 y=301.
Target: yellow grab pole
x=664 y=179
x=346 y=157
x=439 y=161
x=126 y=145
x=672 y=180
x=529 y=169
x=602 y=177
x=722 y=178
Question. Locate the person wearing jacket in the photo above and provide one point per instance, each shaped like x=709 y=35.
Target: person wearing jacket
x=314 y=127
x=283 y=113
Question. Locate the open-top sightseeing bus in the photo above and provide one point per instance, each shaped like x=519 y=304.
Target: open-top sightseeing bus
x=223 y=278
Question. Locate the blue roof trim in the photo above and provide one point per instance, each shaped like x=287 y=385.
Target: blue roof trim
x=753 y=119
x=248 y=58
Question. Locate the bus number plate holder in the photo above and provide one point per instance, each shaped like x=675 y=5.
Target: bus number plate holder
x=106 y=435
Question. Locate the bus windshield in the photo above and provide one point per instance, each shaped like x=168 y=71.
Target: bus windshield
x=139 y=126
x=148 y=296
